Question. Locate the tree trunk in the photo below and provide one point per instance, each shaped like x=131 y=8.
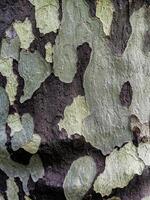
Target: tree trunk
x=74 y=100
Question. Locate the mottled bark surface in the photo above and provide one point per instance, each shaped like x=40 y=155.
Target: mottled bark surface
x=74 y=99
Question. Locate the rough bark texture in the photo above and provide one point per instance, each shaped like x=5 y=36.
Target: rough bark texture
x=74 y=99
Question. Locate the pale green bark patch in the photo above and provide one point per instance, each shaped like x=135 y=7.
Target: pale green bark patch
x=74 y=115
x=10 y=50
x=7 y=71
x=34 y=70
x=50 y=15
x=104 y=11
x=23 y=136
x=27 y=198
x=4 y=107
x=14 y=123
x=144 y=153
x=76 y=28
x=36 y=168
x=12 y=190
x=146 y=198
x=10 y=45
x=49 y=52
x=114 y=198
x=120 y=167
x=79 y=178
x=24 y=31
x=33 y=145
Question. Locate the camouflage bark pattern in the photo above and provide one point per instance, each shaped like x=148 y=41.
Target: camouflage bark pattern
x=74 y=100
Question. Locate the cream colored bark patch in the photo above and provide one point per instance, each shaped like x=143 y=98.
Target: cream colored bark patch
x=12 y=190
x=50 y=15
x=121 y=167
x=1 y=197
x=24 y=31
x=79 y=178
x=144 y=153
x=14 y=123
x=33 y=146
x=7 y=70
x=114 y=198
x=146 y=198
x=49 y=52
x=74 y=116
x=104 y=11
x=27 y=198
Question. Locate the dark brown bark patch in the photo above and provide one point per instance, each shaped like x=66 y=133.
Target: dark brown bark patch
x=21 y=193
x=3 y=179
x=92 y=7
x=120 y=28
x=11 y=10
x=92 y=195
x=60 y=10
x=126 y=94
x=21 y=156
x=3 y=80
x=136 y=135
x=135 y=5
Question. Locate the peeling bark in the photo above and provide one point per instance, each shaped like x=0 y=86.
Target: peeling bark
x=74 y=99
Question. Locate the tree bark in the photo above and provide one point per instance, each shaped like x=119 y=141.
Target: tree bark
x=74 y=100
